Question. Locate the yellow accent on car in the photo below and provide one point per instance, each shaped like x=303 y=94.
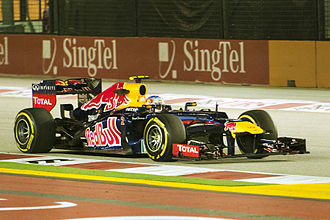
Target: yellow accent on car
x=245 y=126
x=28 y=145
x=248 y=117
x=137 y=95
x=161 y=124
x=144 y=134
x=138 y=77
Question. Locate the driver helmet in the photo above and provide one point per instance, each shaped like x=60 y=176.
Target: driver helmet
x=155 y=100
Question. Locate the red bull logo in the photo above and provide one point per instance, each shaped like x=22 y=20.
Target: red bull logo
x=101 y=137
x=67 y=82
x=109 y=98
x=231 y=126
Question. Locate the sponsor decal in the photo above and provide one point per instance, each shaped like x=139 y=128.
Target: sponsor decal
x=46 y=101
x=4 y=51
x=185 y=150
x=165 y=61
x=109 y=98
x=210 y=60
x=230 y=126
x=41 y=101
x=223 y=57
x=39 y=88
x=93 y=58
x=49 y=48
x=68 y=82
x=102 y=137
x=132 y=109
x=44 y=95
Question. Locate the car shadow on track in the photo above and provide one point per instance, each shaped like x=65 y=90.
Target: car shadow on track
x=109 y=156
x=94 y=154
x=236 y=161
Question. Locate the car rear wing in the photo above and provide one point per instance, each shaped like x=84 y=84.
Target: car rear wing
x=44 y=93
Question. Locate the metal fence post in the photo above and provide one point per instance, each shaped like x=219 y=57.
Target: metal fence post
x=224 y=8
x=23 y=5
x=323 y=19
x=7 y=12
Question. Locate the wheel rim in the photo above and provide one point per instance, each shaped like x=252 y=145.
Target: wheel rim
x=154 y=138
x=23 y=131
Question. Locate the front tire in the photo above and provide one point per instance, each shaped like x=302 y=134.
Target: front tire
x=160 y=133
x=247 y=143
x=34 y=130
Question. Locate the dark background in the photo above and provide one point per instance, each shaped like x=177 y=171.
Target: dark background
x=225 y=19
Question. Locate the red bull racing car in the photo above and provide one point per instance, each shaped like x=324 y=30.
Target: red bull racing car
x=123 y=119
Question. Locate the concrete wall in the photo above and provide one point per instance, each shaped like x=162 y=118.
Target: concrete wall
x=305 y=62
x=323 y=64
x=292 y=60
x=274 y=63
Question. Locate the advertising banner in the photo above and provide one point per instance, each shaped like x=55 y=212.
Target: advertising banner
x=205 y=60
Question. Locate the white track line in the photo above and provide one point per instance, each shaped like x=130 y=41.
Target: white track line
x=173 y=170
x=59 y=206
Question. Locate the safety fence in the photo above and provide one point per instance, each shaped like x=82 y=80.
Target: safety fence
x=224 y=19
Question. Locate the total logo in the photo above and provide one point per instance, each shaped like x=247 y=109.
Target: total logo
x=41 y=101
x=223 y=57
x=98 y=55
x=185 y=150
x=101 y=137
x=46 y=101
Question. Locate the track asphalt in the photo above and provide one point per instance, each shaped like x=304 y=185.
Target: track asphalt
x=318 y=188
x=66 y=192
x=279 y=187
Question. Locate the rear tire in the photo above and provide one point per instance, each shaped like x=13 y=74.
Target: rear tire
x=34 y=130
x=247 y=142
x=160 y=133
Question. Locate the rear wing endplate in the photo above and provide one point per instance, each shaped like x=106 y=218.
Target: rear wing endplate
x=44 y=93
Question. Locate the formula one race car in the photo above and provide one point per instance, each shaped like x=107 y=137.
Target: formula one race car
x=122 y=119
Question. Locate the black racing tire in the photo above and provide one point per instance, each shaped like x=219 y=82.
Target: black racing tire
x=34 y=130
x=160 y=133
x=247 y=142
